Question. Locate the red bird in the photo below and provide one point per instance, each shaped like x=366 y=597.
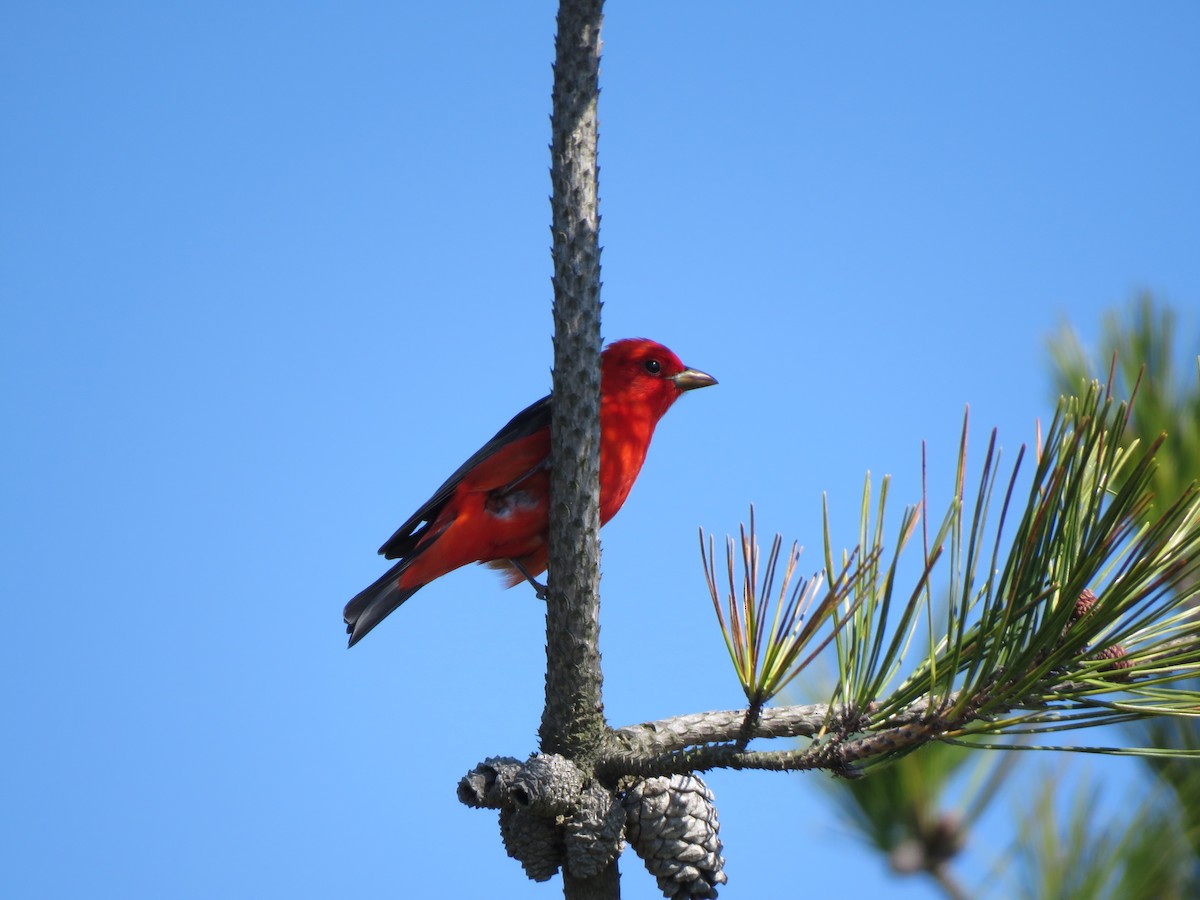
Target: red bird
x=494 y=508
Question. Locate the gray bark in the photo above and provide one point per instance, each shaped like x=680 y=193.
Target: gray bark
x=573 y=721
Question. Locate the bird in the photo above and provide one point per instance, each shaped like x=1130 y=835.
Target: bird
x=494 y=509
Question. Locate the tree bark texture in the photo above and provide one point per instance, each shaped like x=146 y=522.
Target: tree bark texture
x=573 y=720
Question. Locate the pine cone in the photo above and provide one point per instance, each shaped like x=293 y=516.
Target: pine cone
x=593 y=834
x=534 y=842
x=487 y=785
x=672 y=824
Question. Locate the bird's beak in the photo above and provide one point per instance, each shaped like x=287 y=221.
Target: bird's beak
x=690 y=379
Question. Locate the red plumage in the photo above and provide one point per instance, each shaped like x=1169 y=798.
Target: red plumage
x=493 y=509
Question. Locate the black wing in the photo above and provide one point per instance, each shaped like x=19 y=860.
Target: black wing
x=523 y=424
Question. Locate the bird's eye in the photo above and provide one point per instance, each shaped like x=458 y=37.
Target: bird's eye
x=653 y=366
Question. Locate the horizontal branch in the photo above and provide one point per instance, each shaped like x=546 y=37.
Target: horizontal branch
x=680 y=732
x=710 y=740
x=836 y=753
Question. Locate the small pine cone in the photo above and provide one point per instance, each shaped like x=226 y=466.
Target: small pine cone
x=946 y=839
x=1085 y=604
x=534 y=842
x=488 y=783
x=548 y=785
x=593 y=834
x=672 y=824
x=1119 y=662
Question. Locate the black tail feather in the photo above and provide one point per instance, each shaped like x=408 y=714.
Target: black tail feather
x=372 y=606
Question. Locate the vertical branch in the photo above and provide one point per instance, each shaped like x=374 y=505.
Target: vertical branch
x=573 y=720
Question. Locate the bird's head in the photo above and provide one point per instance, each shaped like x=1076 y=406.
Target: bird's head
x=645 y=372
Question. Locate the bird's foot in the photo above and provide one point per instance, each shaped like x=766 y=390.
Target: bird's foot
x=538 y=587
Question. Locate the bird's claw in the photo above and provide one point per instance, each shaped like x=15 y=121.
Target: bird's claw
x=538 y=588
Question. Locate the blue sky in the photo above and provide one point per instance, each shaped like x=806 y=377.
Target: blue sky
x=272 y=271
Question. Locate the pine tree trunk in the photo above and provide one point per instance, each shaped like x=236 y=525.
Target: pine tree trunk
x=573 y=721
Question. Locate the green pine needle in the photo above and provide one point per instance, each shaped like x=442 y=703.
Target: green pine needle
x=767 y=628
